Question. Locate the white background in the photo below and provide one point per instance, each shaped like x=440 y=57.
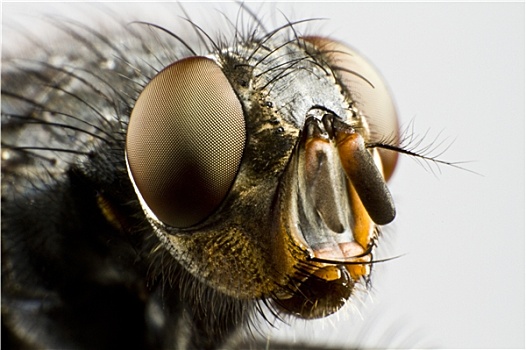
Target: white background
x=455 y=69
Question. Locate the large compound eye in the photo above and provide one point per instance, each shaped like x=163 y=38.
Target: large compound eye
x=185 y=141
x=368 y=89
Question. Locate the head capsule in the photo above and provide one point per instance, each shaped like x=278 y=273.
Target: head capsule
x=253 y=169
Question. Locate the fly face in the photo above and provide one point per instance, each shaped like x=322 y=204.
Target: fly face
x=252 y=166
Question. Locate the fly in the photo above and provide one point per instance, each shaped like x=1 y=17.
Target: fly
x=160 y=196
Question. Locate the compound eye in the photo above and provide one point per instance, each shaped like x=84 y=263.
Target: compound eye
x=368 y=90
x=185 y=141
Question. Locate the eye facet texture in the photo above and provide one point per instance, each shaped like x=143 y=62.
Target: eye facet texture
x=368 y=89
x=185 y=141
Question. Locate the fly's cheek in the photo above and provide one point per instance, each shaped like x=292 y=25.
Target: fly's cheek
x=185 y=141
x=369 y=93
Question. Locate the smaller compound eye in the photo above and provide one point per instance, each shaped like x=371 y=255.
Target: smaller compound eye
x=185 y=141
x=368 y=90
